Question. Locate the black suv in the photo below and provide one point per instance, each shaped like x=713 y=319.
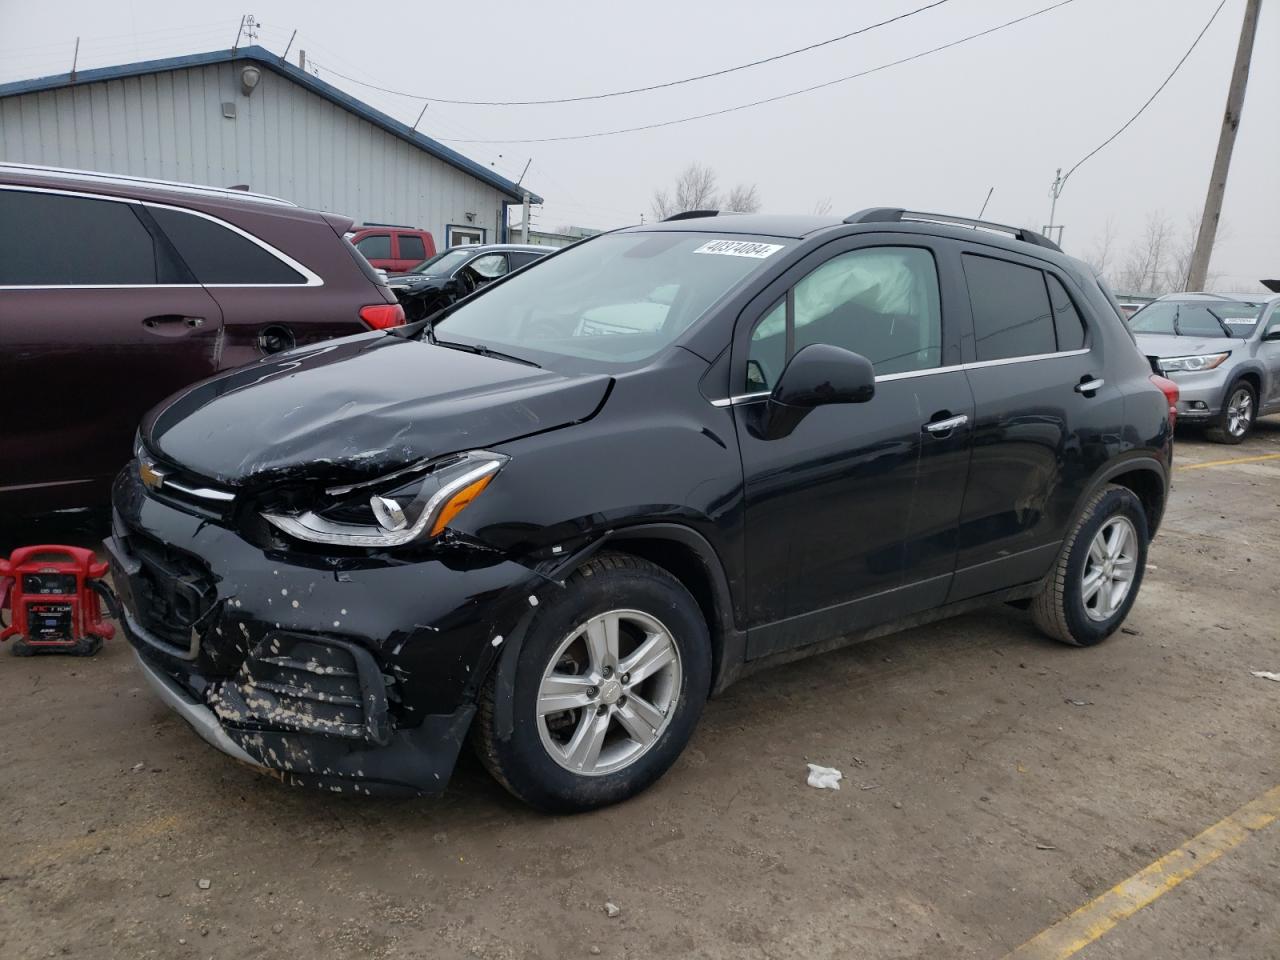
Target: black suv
x=560 y=515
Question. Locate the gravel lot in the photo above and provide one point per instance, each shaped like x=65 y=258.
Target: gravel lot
x=994 y=782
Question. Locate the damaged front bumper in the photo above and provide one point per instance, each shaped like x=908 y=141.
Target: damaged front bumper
x=355 y=675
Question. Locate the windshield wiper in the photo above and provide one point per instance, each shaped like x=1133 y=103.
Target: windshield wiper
x=484 y=351
x=1177 y=309
x=1222 y=323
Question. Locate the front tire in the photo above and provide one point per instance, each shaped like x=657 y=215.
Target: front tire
x=1238 y=413
x=609 y=684
x=1096 y=578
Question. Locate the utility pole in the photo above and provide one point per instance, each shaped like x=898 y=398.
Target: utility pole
x=524 y=228
x=1055 y=191
x=1199 y=271
x=302 y=60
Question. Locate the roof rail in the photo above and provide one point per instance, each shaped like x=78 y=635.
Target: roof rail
x=691 y=215
x=121 y=179
x=898 y=215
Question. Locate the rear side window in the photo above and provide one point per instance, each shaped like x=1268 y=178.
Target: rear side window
x=518 y=260
x=376 y=246
x=1011 y=313
x=412 y=248
x=54 y=240
x=1066 y=320
x=217 y=255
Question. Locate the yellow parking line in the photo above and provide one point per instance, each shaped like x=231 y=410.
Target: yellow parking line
x=1224 y=463
x=1077 y=930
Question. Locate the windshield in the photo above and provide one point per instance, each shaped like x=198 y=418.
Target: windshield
x=443 y=264
x=619 y=298
x=1197 y=318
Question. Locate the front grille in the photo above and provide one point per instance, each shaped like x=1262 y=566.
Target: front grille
x=310 y=684
x=173 y=592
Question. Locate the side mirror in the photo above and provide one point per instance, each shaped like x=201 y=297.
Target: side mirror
x=1271 y=335
x=821 y=373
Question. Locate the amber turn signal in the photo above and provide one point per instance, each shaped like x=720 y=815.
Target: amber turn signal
x=459 y=502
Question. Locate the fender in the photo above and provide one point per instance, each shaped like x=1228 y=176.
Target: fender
x=729 y=643
x=1128 y=463
x=1258 y=370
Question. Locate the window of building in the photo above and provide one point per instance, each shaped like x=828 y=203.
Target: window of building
x=54 y=240
x=218 y=255
x=412 y=247
x=1011 y=313
x=881 y=302
x=1066 y=319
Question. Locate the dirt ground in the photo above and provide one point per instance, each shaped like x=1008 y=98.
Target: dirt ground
x=995 y=781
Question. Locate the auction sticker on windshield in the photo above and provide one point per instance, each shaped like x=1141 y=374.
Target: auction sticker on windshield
x=740 y=248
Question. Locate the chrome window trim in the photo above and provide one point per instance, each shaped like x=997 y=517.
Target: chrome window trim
x=734 y=401
x=310 y=278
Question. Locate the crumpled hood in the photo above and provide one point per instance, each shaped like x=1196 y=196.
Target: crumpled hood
x=1165 y=345
x=359 y=407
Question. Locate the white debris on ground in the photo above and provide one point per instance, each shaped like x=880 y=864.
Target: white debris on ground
x=1266 y=675
x=824 y=778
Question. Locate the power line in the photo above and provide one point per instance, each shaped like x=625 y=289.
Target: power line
x=781 y=96
x=1178 y=66
x=651 y=87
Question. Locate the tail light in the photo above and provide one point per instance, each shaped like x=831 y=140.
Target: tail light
x=382 y=316
x=1171 y=392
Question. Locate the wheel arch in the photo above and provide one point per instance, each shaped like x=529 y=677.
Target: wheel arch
x=682 y=552
x=690 y=558
x=1147 y=477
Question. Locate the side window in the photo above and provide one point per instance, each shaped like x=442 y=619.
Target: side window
x=1011 y=313
x=768 y=349
x=518 y=260
x=218 y=255
x=489 y=267
x=54 y=240
x=376 y=246
x=411 y=247
x=1066 y=320
x=881 y=302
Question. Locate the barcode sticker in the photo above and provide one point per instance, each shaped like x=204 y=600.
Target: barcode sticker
x=740 y=248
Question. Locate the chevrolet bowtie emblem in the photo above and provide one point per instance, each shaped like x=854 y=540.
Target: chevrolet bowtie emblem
x=152 y=477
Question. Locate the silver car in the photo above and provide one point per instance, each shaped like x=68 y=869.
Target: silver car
x=1223 y=352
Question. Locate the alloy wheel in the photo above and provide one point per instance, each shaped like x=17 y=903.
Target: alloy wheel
x=1239 y=412
x=1110 y=568
x=609 y=692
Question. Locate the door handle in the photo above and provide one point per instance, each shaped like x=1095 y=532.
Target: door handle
x=1091 y=385
x=165 y=319
x=940 y=427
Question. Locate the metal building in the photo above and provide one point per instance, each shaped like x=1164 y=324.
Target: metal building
x=247 y=117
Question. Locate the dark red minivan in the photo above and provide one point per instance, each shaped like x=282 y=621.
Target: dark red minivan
x=117 y=291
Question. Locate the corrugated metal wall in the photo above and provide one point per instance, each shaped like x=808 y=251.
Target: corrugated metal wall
x=284 y=140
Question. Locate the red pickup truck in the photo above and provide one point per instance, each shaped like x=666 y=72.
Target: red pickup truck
x=393 y=248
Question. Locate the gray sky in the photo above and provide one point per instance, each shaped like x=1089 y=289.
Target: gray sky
x=934 y=134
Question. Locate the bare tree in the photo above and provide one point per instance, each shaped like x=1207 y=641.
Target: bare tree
x=744 y=198
x=1146 y=266
x=822 y=207
x=695 y=189
x=1102 y=250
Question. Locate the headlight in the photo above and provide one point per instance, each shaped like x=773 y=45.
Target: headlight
x=416 y=503
x=1204 y=361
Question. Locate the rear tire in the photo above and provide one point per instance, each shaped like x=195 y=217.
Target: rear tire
x=626 y=650
x=1096 y=578
x=1238 y=413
